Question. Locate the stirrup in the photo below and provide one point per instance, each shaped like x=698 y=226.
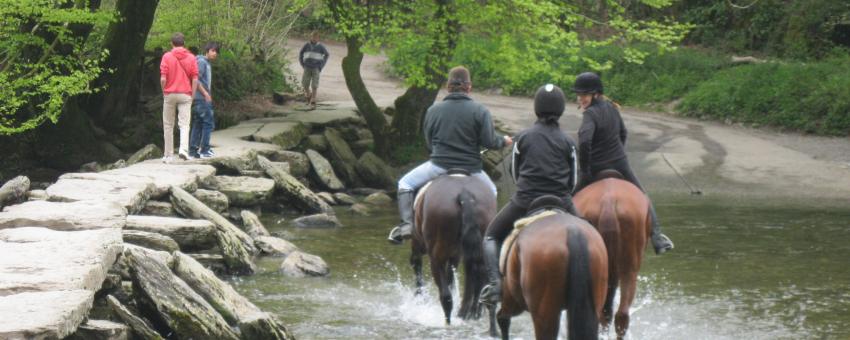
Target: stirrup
x=665 y=244
x=395 y=236
x=490 y=294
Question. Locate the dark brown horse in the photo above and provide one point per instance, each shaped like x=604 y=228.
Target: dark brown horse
x=619 y=210
x=450 y=220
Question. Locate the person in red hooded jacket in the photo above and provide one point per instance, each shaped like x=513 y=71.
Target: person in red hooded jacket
x=178 y=76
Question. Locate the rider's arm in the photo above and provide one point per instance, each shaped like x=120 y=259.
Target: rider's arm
x=585 y=141
x=428 y=129
x=488 y=137
x=623 y=132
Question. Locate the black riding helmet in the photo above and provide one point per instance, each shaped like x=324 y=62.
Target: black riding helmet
x=588 y=83
x=549 y=101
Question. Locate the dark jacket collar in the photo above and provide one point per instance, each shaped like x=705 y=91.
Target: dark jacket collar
x=457 y=96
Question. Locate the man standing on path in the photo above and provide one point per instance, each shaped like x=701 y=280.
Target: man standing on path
x=178 y=76
x=455 y=131
x=203 y=119
x=312 y=57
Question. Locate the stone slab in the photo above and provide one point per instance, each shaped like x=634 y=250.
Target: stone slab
x=40 y=259
x=132 y=195
x=64 y=216
x=43 y=315
x=286 y=134
x=244 y=191
x=188 y=233
x=184 y=176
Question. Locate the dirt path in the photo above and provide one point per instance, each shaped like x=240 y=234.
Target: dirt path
x=713 y=158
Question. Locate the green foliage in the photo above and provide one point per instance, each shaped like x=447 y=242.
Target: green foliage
x=811 y=97
x=237 y=76
x=43 y=61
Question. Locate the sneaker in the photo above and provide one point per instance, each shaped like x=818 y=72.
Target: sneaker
x=207 y=154
x=167 y=159
x=184 y=155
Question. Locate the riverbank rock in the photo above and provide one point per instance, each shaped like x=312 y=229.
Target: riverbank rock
x=293 y=188
x=43 y=315
x=129 y=192
x=323 y=220
x=179 y=308
x=299 y=264
x=378 y=199
x=101 y=330
x=274 y=246
x=341 y=157
x=40 y=259
x=189 y=234
x=14 y=191
x=153 y=241
x=374 y=172
x=299 y=163
x=323 y=171
x=233 y=307
x=344 y=199
x=327 y=197
x=316 y=142
x=236 y=246
x=360 y=209
x=64 y=216
x=215 y=200
x=285 y=134
x=150 y=151
x=252 y=225
x=141 y=328
x=244 y=191
x=158 y=208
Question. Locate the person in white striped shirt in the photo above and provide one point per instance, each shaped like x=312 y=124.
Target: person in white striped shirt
x=313 y=57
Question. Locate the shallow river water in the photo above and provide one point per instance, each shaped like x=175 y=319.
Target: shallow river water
x=741 y=270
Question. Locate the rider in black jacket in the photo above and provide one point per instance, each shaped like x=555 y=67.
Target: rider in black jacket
x=602 y=140
x=544 y=163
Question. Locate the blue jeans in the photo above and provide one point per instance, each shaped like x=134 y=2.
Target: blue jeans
x=427 y=171
x=203 y=123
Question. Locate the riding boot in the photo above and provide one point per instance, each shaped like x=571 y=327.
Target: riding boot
x=404 y=229
x=492 y=292
x=660 y=242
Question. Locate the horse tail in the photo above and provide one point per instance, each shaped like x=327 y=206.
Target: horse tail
x=473 y=256
x=609 y=229
x=582 y=322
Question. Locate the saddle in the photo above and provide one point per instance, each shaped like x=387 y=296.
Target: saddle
x=454 y=172
x=542 y=207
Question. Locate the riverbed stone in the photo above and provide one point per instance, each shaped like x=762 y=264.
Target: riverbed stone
x=375 y=172
x=14 y=191
x=81 y=215
x=300 y=264
x=40 y=259
x=316 y=142
x=327 y=197
x=214 y=262
x=285 y=134
x=274 y=246
x=43 y=315
x=150 y=151
x=158 y=208
x=149 y=240
x=178 y=306
x=323 y=220
x=344 y=199
x=140 y=327
x=299 y=163
x=293 y=188
x=378 y=199
x=323 y=171
x=341 y=157
x=236 y=246
x=360 y=209
x=244 y=191
x=252 y=225
x=101 y=330
x=215 y=200
x=190 y=234
x=129 y=192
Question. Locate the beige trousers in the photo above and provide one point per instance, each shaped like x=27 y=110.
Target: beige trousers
x=182 y=103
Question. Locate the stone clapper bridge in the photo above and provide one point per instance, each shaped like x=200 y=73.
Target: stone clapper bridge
x=63 y=252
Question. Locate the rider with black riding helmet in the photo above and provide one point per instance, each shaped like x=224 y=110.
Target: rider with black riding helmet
x=544 y=163
x=602 y=140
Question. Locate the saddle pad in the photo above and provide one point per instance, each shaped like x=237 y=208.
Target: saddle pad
x=421 y=193
x=518 y=225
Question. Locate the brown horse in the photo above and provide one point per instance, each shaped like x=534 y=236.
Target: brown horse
x=557 y=262
x=619 y=210
x=451 y=216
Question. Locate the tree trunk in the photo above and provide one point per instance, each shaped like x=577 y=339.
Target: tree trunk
x=365 y=104
x=125 y=41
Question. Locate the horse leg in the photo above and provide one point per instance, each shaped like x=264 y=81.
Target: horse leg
x=440 y=270
x=491 y=313
x=628 y=286
x=504 y=327
x=547 y=319
x=416 y=263
x=608 y=308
